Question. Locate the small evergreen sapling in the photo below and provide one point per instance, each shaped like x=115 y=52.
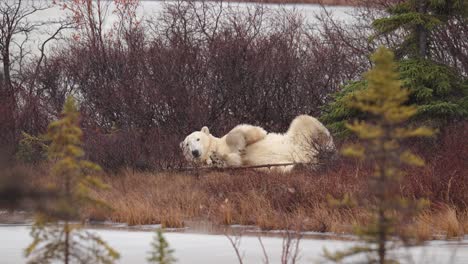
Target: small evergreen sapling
x=161 y=253
x=380 y=137
x=55 y=236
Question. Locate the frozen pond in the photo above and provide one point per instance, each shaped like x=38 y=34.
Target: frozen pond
x=150 y=10
x=201 y=248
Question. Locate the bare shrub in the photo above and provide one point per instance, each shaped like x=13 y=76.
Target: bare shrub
x=145 y=84
x=290 y=248
x=235 y=241
x=199 y=63
x=445 y=177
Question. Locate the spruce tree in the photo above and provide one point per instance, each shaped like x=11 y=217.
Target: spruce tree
x=418 y=18
x=439 y=91
x=161 y=253
x=57 y=236
x=380 y=136
x=439 y=94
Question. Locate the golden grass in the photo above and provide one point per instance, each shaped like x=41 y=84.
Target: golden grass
x=269 y=201
x=464 y=221
x=422 y=227
x=145 y=199
x=443 y=221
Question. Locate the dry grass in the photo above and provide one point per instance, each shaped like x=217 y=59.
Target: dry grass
x=270 y=201
x=279 y=201
x=143 y=198
x=442 y=222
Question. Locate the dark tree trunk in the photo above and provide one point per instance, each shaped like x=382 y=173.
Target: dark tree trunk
x=421 y=31
x=7 y=112
x=67 y=243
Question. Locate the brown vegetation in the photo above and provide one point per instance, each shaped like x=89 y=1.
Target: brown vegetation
x=322 y=2
x=145 y=85
x=271 y=201
x=277 y=201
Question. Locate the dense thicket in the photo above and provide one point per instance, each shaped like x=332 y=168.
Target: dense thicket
x=142 y=88
x=144 y=84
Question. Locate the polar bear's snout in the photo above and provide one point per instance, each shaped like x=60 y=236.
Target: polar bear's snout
x=195 y=153
x=193 y=150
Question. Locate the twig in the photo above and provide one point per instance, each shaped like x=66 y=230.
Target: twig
x=290 y=249
x=235 y=242
x=198 y=169
x=236 y=168
x=265 y=255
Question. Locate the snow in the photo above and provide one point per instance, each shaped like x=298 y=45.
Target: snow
x=202 y=248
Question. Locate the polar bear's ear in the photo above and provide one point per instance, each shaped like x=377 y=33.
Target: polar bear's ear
x=205 y=130
x=181 y=145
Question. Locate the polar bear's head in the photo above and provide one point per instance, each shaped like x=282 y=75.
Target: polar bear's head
x=196 y=145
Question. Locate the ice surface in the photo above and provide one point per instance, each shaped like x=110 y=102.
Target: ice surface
x=202 y=248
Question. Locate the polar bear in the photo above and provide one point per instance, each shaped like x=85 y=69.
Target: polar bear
x=202 y=148
x=248 y=145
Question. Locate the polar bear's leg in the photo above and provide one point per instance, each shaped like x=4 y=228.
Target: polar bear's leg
x=236 y=140
x=244 y=135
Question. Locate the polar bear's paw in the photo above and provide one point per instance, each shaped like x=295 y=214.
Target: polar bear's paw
x=217 y=160
x=227 y=160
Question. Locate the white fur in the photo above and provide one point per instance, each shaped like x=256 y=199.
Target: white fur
x=225 y=151
x=251 y=145
x=297 y=145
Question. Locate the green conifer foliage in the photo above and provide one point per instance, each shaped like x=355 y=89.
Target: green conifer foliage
x=385 y=104
x=32 y=149
x=418 y=18
x=161 y=253
x=55 y=236
x=438 y=91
